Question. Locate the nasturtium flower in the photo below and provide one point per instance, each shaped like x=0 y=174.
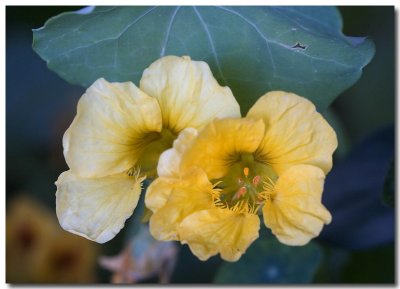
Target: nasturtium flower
x=215 y=181
x=120 y=131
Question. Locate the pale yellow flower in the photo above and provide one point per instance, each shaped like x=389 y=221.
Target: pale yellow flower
x=215 y=181
x=120 y=131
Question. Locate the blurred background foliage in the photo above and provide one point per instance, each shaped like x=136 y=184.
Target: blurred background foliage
x=357 y=247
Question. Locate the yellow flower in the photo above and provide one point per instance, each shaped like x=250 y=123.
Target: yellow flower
x=120 y=129
x=213 y=183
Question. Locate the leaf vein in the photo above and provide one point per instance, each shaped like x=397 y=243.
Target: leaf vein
x=306 y=16
x=267 y=41
x=167 y=33
x=107 y=39
x=210 y=39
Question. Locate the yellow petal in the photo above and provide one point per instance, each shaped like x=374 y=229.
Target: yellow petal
x=158 y=192
x=188 y=94
x=96 y=208
x=220 y=144
x=169 y=170
x=170 y=160
x=295 y=213
x=113 y=124
x=192 y=193
x=295 y=133
x=223 y=231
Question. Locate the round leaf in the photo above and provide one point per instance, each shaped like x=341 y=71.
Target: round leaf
x=250 y=49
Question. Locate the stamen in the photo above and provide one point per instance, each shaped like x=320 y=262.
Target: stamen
x=261 y=198
x=134 y=171
x=215 y=186
x=246 y=171
x=254 y=209
x=247 y=194
x=256 y=180
x=240 y=193
x=269 y=185
x=241 y=207
x=268 y=194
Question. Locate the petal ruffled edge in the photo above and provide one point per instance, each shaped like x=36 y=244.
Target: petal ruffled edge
x=171 y=200
x=158 y=192
x=294 y=211
x=223 y=231
x=96 y=208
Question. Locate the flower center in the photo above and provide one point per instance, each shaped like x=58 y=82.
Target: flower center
x=243 y=187
x=155 y=143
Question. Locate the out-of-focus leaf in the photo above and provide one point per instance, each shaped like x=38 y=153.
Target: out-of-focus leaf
x=189 y=269
x=371 y=266
x=388 y=187
x=370 y=103
x=367 y=266
x=268 y=261
x=353 y=195
x=332 y=264
x=250 y=49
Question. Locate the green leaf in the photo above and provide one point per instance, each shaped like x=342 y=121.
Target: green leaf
x=377 y=265
x=268 y=261
x=331 y=267
x=251 y=49
x=388 y=187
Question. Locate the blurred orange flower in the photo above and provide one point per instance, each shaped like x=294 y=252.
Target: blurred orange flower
x=39 y=251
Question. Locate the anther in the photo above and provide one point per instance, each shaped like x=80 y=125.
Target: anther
x=240 y=193
x=256 y=180
x=246 y=171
